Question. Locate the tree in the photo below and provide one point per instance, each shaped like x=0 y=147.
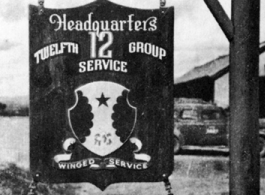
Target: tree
x=2 y=106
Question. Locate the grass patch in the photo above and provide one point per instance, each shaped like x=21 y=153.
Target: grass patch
x=16 y=181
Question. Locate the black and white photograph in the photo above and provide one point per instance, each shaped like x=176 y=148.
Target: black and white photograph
x=112 y=97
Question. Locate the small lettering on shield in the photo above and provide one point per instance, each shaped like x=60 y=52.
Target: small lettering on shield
x=103 y=139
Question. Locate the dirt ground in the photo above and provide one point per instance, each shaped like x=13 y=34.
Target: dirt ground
x=193 y=174
x=180 y=185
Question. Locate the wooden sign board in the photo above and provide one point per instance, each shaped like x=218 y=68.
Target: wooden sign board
x=101 y=104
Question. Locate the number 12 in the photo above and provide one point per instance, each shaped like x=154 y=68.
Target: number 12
x=102 y=53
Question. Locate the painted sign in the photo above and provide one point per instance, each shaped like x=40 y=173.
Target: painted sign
x=101 y=104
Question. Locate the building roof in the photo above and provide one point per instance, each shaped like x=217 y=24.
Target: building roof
x=213 y=69
x=210 y=69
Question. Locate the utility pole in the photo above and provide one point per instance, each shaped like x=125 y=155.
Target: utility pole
x=244 y=99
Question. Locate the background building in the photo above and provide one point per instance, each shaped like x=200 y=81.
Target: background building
x=210 y=82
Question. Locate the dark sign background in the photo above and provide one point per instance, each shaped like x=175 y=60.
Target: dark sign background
x=53 y=82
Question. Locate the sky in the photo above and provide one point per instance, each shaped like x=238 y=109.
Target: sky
x=197 y=37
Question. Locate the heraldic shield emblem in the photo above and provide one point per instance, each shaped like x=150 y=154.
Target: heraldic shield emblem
x=102 y=118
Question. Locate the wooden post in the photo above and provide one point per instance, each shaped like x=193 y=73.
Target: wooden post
x=221 y=17
x=244 y=105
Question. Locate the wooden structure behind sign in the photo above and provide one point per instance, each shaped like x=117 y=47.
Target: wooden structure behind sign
x=101 y=103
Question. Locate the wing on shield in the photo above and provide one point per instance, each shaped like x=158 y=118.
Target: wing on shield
x=102 y=118
x=123 y=116
x=81 y=117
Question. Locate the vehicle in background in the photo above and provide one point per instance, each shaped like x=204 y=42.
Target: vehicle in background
x=203 y=124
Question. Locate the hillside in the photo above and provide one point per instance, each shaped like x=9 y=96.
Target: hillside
x=15 y=106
